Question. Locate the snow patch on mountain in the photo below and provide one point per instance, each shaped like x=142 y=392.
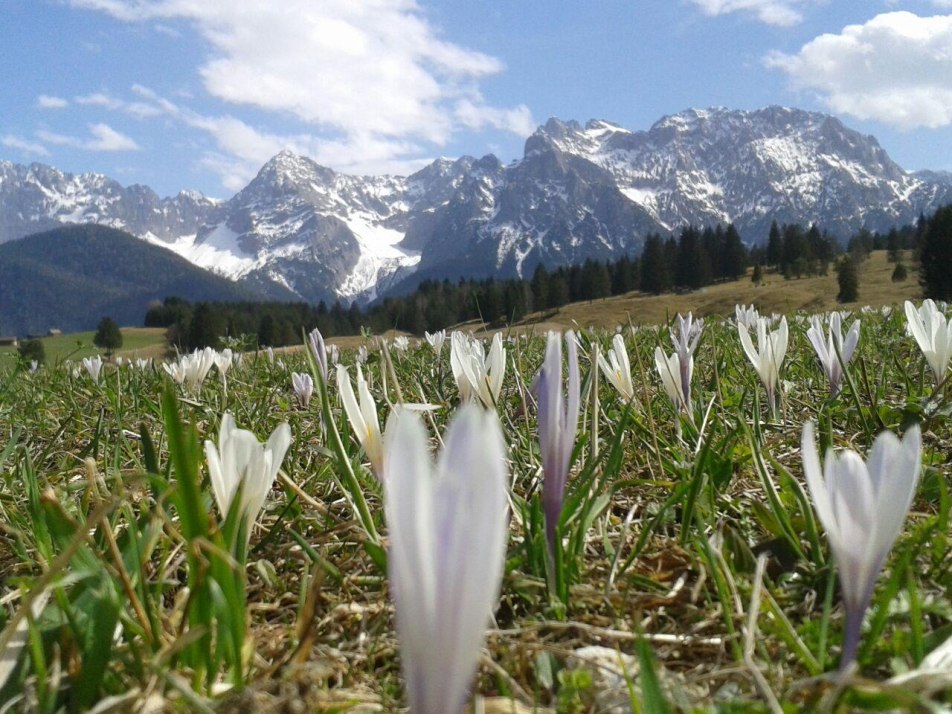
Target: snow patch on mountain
x=380 y=256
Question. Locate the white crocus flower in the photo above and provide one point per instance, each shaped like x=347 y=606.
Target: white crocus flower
x=196 y=367
x=746 y=315
x=617 y=368
x=303 y=387
x=448 y=528
x=362 y=416
x=401 y=343
x=93 y=366
x=362 y=354
x=862 y=506
x=224 y=361
x=175 y=370
x=436 y=340
x=827 y=346
x=669 y=369
x=685 y=342
x=477 y=375
x=767 y=356
x=934 y=335
x=239 y=458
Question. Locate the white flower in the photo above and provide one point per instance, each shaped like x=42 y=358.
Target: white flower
x=270 y=353
x=617 y=368
x=143 y=363
x=303 y=387
x=685 y=342
x=362 y=416
x=192 y=368
x=175 y=370
x=448 y=531
x=669 y=369
x=477 y=376
x=768 y=355
x=34 y=366
x=401 y=343
x=362 y=354
x=436 y=340
x=240 y=458
x=223 y=360
x=333 y=354
x=558 y=423
x=826 y=348
x=934 y=335
x=315 y=341
x=862 y=506
x=93 y=366
x=746 y=316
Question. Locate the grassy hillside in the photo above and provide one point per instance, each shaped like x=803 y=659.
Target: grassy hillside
x=775 y=295
x=71 y=277
x=136 y=342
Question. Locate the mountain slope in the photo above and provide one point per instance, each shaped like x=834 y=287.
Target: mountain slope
x=592 y=191
x=71 y=277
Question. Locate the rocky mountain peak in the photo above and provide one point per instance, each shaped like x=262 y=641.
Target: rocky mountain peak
x=580 y=191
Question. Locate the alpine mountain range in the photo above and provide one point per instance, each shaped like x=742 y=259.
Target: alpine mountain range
x=302 y=230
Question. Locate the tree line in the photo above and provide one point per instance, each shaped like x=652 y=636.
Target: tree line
x=694 y=258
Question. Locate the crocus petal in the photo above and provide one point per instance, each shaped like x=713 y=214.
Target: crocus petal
x=447 y=547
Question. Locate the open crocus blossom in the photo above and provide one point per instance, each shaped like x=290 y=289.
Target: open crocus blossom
x=477 y=375
x=93 y=366
x=362 y=416
x=448 y=529
x=934 y=335
x=558 y=421
x=767 y=356
x=862 y=506
x=827 y=347
x=617 y=368
x=239 y=458
x=685 y=342
x=436 y=340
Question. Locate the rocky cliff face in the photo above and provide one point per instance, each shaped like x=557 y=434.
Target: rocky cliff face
x=592 y=191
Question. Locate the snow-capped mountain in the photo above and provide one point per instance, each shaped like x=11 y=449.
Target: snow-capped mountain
x=592 y=191
x=36 y=197
x=703 y=166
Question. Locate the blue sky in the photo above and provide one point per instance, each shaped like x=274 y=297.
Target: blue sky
x=198 y=94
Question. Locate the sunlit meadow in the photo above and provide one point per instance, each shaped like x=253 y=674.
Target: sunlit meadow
x=168 y=544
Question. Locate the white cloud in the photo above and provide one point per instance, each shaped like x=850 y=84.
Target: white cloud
x=102 y=138
x=772 y=12
x=896 y=68
x=45 y=101
x=139 y=110
x=24 y=145
x=372 y=81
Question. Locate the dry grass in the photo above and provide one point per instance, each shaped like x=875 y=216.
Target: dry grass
x=775 y=295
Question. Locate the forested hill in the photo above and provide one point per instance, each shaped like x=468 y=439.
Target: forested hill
x=69 y=278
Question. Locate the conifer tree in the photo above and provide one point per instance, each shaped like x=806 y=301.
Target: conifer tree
x=108 y=337
x=935 y=256
x=848 y=280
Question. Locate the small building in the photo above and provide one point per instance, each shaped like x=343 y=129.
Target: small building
x=53 y=332
x=8 y=341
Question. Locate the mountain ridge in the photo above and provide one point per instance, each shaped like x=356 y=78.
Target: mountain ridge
x=580 y=191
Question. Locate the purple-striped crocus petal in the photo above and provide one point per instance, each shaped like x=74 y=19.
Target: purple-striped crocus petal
x=448 y=530
x=558 y=422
